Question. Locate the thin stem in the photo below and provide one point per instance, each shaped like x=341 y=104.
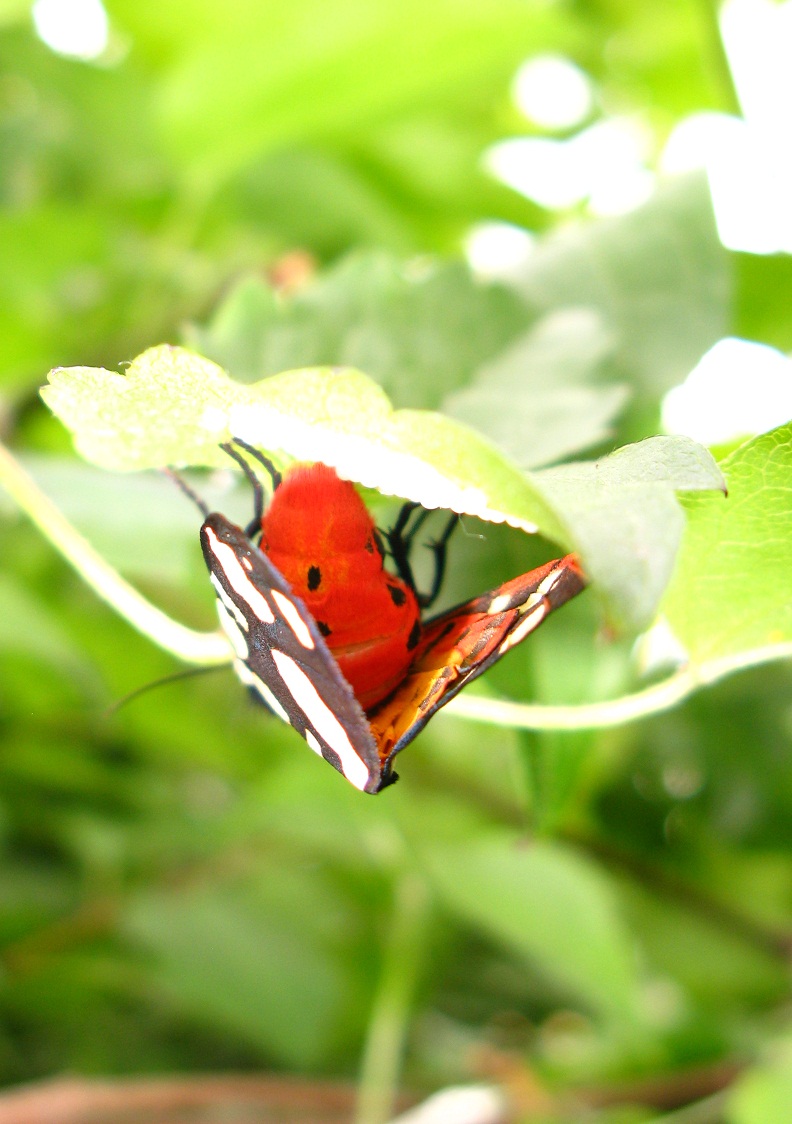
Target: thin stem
x=387 y=1031
x=614 y=712
x=187 y=644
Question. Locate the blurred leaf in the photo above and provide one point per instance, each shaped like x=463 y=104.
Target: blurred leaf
x=27 y=626
x=539 y=401
x=49 y=295
x=764 y=1093
x=420 y=333
x=763 y=296
x=547 y=903
x=328 y=71
x=732 y=589
x=658 y=276
x=626 y=518
x=253 y=958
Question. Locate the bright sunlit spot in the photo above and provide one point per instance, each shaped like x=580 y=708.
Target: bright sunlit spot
x=77 y=28
x=497 y=249
x=603 y=164
x=748 y=160
x=553 y=92
x=737 y=389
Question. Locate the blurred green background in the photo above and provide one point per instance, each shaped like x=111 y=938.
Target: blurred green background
x=581 y=917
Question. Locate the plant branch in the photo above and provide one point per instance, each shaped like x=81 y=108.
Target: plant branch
x=615 y=712
x=107 y=583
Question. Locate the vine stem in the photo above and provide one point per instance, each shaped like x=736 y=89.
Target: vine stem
x=107 y=583
x=390 y=1016
x=614 y=712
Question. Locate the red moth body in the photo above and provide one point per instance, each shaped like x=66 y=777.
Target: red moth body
x=318 y=532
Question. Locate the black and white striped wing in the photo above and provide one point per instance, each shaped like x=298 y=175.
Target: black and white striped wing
x=283 y=657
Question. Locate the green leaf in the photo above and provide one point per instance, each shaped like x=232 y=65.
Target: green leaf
x=26 y=625
x=732 y=590
x=420 y=333
x=251 y=957
x=173 y=407
x=329 y=71
x=539 y=401
x=547 y=903
x=658 y=275
x=764 y=1094
x=627 y=521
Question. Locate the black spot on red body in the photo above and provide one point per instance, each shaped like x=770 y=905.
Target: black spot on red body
x=370 y=546
x=314 y=578
x=414 y=637
x=324 y=628
x=398 y=596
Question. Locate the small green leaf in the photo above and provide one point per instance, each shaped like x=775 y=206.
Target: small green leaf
x=732 y=590
x=627 y=521
x=547 y=903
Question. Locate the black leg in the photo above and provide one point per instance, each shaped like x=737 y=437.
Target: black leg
x=440 y=551
x=400 y=541
x=254 y=526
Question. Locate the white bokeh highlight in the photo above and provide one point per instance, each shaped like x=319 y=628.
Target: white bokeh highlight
x=498 y=250
x=748 y=159
x=553 y=92
x=76 y=28
x=738 y=389
x=604 y=165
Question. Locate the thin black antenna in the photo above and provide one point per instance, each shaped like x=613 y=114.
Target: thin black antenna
x=185 y=487
x=186 y=673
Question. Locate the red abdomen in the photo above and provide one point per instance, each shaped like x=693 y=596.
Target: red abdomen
x=321 y=537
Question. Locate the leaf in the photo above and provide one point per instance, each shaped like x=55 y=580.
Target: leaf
x=173 y=407
x=732 y=590
x=539 y=401
x=547 y=903
x=764 y=1093
x=27 y=625
x=330 y=71
x=249 y=958
x=657 y=275
x=627 y=521
x=420 y=334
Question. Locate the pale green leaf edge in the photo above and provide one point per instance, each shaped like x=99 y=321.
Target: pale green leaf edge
x=174 y=407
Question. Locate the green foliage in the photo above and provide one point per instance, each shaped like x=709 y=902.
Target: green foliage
x=183 y=887
x=173 y=407
x=744 y=544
